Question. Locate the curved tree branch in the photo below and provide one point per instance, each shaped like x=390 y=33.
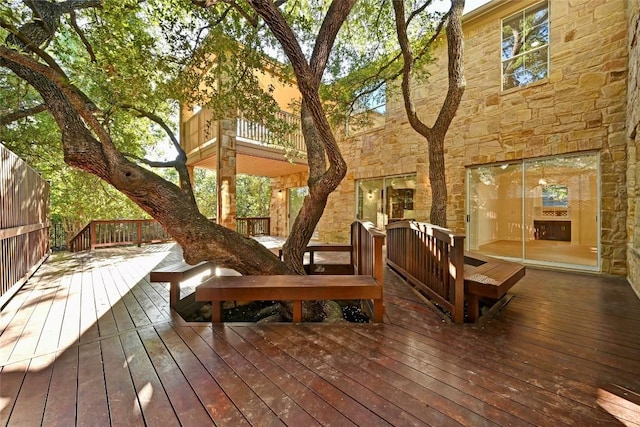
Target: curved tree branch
x=20 y=114
x=85 y=42
x=317 y=132
x=180 y=164
x=152 y=163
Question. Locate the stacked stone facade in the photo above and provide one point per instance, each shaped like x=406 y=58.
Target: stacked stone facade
x=633 y=152
x=279 y=201
x=581 y=106
x=226 y=174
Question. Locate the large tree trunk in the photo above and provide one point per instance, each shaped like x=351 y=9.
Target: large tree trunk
x=437 y=179
x=435 y=135
x=319 y=139
x=174 y=209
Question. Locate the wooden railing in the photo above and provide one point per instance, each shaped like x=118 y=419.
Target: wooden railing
x=431 y=258
x=24 y=223
x=259 y=133
x=105 y=233
x=200 y=130
x=366 y=254
x=258 y=226
x=123 y=232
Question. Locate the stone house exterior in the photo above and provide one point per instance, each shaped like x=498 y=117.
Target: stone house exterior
x=541 y=159
x=580 y=113
x=633 y=151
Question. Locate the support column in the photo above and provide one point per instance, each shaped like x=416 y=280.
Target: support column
x=226 y=174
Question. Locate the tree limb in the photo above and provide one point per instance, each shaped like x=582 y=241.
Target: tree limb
x=20 y=114
x=455 y=67
x=408 y=61
x=82 y=104
x=336 y=15
x=87 y=45
x=180 y=163
x=152 y=163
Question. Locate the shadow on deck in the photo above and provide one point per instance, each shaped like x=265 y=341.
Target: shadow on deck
x=89 y=340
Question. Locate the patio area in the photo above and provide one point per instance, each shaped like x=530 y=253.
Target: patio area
x=90 y=341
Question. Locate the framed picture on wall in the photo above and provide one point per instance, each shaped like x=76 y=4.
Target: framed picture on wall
x=555 y=196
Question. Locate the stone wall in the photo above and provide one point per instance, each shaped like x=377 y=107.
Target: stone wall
x=633 y=133
x=226 y=174
x=580 y=106
x=279 y=201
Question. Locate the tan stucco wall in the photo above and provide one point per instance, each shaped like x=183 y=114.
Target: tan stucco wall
x=285 y=93
x=581 y=106
x=633 y=133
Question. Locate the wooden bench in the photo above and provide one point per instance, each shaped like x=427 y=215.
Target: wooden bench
x=176 y=273
x=364 y=281
x=326 y=268
x=289 y=288
x=486 y=277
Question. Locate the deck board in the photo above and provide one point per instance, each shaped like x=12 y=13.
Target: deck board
x=89 y=341
x=60 y=408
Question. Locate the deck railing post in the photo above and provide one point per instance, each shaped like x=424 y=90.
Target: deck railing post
x=139 y=240
x=378 y=266
x=456 y=261
x=92 y=235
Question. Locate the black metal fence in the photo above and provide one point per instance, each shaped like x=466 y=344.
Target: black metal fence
x=57 y=237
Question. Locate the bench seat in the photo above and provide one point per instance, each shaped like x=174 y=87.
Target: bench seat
x=325 y=268
x=288 y=288
x=489 y=278
x=176 y=273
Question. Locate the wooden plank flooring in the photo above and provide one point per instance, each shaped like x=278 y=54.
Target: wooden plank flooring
x=89 y=341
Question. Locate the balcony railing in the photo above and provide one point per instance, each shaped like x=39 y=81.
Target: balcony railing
x=253 y=226
x=258 y=133
x=201 y=130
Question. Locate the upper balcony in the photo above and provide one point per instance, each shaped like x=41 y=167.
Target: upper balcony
x=256 y=152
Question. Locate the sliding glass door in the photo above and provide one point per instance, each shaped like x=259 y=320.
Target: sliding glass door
x=545 y=211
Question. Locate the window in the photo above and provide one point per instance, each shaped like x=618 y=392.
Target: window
x=369 y=111
x=525 y=46
x=388 y=199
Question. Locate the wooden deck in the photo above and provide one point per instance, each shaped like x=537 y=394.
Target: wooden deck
x=89 y=341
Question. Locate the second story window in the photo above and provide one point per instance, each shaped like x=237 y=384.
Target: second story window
x=525 y=46
x=369 y=111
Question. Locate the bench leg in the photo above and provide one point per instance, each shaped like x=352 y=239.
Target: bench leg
x=216 y=311
x=473 y=307
x=174 y=294
x=297 y=311
x=378 y=310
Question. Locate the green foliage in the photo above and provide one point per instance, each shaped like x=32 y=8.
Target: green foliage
x=205 y=192
x=253 y=194
x=147 y=55
x=153 y=55
x=76 y=197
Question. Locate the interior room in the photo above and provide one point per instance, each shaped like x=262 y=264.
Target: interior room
x=541 y=210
